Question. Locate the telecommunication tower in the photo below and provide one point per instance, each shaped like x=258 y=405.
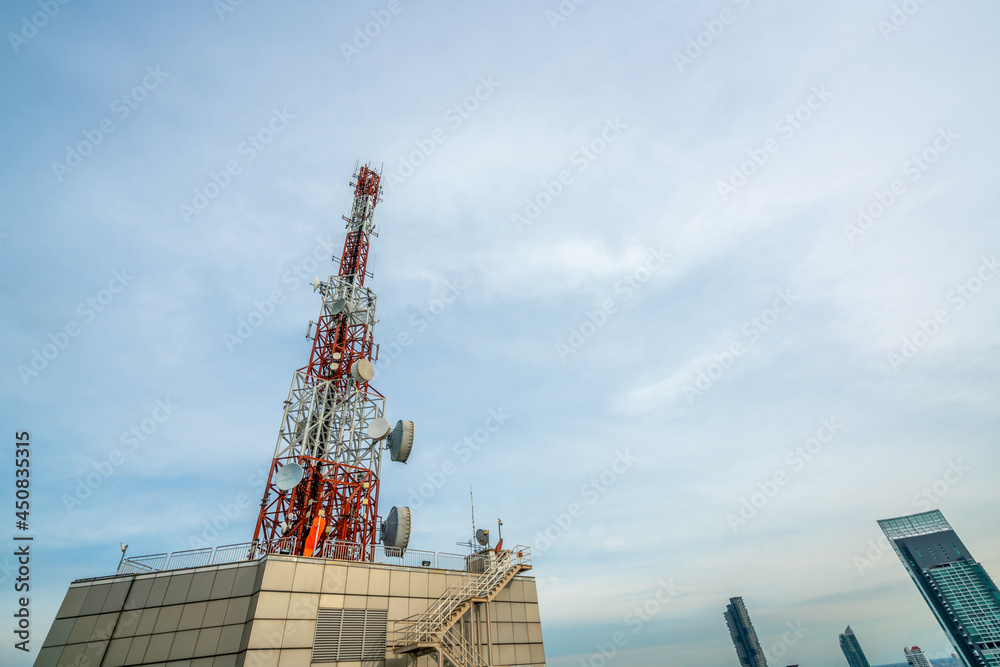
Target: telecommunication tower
x=322 y=490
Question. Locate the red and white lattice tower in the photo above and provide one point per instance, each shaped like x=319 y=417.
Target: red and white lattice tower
x=334 y=419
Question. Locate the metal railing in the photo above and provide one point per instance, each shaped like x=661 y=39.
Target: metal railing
x=232 y=553
x=432 y=625
x=333 y=550
x=461 y=652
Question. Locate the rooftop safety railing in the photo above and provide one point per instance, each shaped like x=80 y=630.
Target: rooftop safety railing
x=232 y=553
x=333 y=550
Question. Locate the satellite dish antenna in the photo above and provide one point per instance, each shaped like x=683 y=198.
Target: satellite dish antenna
x=396 y=528
x=362 y=370
x=316 y=284
x=379 y=429
x=483 y=537
x=288 y=476
x=338 y=306
x=401 y=441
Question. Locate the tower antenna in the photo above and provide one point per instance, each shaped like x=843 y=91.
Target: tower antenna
x=323 y=484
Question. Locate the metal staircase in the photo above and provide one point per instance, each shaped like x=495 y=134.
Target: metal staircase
x=434 y=629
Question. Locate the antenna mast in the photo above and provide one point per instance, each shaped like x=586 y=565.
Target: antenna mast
x=334 y=419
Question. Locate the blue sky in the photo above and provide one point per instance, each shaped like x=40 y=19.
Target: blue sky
x=700 y=256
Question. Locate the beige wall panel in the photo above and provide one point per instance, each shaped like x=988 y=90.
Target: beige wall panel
x=261 y=658
x=117 y=652
x=331 y=601
x=208 y=642
x=398 y=609
x=237 y=610
x=298 y=634
x=334 y=579
x=223 y=585
x=96 y=596
x=73 y=602
x=507 y=656
x=355 y=601
x=308 y=577
x=378 y=581
x=272 y=604
x=537 y=653
x=265 y=634
x=518 y=612
x=183 y=645
x=278 y=576
x=177 y=589
x=522 y=655
x=59 y=632
x=530 y=591
x=138 y=649
x=82 y=629
x=418 y=584
x=215 y=613
x=399 y=583
x=295 y=658
x=357 y=581
x=437 y=584
x=192 y=615
x=303 y=605
x=159 y=647
x=531 y=613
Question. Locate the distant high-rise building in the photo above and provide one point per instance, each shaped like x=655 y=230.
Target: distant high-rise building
x=852 y=649
x=744 y=637
x=961 y=594
x=915 y=657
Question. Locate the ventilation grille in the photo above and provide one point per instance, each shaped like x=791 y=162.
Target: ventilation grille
x=350 y=635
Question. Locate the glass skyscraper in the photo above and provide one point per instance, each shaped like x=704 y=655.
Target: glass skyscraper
x=852 y=649
x=915 y=657
x=958 y=590
x=744 y=637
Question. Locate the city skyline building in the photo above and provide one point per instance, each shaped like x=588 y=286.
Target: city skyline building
x=915 y=657
x=852 y=649
x=744 y=636
x=958 y=590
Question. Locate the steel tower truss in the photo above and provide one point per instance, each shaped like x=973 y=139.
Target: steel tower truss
x=329 y=408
